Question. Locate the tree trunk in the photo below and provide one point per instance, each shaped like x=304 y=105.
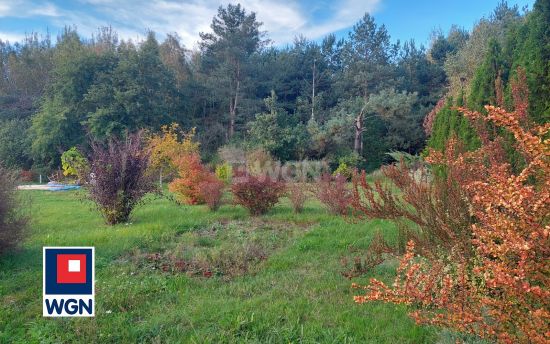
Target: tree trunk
x=358 y=142
x=160 y=178
x=234 y=102
x=232 y=116
x=313 y=93
x=357 y=145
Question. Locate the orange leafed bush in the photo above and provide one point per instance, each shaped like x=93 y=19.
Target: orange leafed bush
x=436 y=206
x=191 y=173
x=501 y=291
x=175 y=153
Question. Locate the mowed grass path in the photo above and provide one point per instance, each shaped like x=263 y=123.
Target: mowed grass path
x=295 y=295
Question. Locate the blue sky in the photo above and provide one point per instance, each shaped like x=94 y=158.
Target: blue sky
x=404 y=19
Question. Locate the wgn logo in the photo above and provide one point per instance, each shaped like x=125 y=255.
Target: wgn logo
x=68 y=284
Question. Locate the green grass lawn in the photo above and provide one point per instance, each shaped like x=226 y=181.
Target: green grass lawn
x=275 y=278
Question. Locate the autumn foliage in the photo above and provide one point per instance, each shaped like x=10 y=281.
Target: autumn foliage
x=119 y=178
x=432 y=211
x=297 y=194
x=175 y=153
x=257 y=193
x=333 y=192
x=430 y=117
x=492 y=279
x=191 y=173
x=211 y=192
x=169 y=144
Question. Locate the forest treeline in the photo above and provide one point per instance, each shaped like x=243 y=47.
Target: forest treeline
x=348 y=100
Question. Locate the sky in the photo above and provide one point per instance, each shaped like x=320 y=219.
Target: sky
x=283 y=20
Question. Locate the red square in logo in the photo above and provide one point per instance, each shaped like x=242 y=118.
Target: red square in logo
x=71 y=268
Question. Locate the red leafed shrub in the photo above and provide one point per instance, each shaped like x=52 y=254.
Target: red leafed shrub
x=297 y=194
x=26 y=176
x=258 y=194
x=500 y=289
x=191 y=173
x=118 y=176
x=520 y=93
x=438 y=208
x=430 y=117
x=334 y=193
x=211 y=192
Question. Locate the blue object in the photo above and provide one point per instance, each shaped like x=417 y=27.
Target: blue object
x=61 y=187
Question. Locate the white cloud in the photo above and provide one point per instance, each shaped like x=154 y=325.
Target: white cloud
x=7 y=8
x=346 y=14
x=48 y=10
x=11 y=37
x=27 y=8
x=131 y=18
